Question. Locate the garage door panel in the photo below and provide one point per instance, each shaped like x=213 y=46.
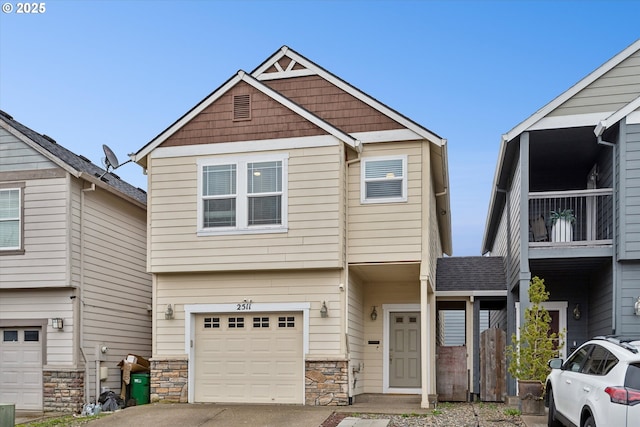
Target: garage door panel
x=261 y=362
x=9 y=379
x=31 y=356
x=21 y=367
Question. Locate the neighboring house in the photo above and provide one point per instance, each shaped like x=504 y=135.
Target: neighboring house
x=294 y=227
x=74 y=292
x=580 y=153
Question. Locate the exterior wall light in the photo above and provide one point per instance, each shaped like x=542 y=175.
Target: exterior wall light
x=323 y=310
x=168 y=314
x=374 y=313
x=636 y=307
x=576 y=312
x=57 y=323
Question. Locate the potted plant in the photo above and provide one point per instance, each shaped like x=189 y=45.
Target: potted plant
x=562 y=225
x=529 y=353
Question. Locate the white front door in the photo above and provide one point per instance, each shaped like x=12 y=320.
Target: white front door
x=404 y=350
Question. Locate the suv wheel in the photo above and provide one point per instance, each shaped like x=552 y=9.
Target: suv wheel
x=551 y=421
x=589 y=423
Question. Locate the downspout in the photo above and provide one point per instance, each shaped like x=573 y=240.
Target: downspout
x=81 y=297
x=351 y=382
x=614 y=263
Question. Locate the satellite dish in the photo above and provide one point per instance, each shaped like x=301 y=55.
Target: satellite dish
x=110 y=159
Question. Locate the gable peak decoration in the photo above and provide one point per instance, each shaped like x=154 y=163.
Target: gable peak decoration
x=282 y=65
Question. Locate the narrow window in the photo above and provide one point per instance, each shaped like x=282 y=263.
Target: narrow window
x=219 y=196
x=10 y=213
x=264 y=193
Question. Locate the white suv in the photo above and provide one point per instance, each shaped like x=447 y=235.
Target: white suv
x=599 y=385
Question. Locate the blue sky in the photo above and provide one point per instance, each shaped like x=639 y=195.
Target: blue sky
x=115 y=72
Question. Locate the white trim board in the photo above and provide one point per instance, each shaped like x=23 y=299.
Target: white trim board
x=244 y=146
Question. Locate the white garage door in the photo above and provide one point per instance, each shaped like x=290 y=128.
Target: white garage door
x=249 y=358
x=21 y=367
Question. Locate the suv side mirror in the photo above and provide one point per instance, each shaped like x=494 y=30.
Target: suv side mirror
x=556 y=363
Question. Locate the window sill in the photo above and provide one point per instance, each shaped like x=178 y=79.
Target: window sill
x=235 y=231
x=11 y=252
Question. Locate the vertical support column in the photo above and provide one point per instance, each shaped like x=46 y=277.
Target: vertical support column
x=525 y=273
x=427 y=351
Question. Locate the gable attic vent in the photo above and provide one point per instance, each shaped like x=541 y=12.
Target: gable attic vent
x=242 y=107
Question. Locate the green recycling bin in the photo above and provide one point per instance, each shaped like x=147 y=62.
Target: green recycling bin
x=140 y=388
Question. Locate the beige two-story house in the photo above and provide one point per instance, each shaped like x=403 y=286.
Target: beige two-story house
x=74 y=292
x=294 y=225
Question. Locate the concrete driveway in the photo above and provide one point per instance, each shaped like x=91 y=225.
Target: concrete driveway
x=215 y=415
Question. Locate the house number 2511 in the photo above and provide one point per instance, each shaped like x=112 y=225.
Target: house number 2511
x=244 y=306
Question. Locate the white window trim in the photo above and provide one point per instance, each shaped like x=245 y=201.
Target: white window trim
x=242 y=226
x=363 y=187
x=19 y=218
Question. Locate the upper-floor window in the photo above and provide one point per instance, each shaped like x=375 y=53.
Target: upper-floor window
x=10 y=218
x=242 y=195
x=384 y=180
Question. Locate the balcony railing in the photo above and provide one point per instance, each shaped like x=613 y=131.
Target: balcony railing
x=571 y=216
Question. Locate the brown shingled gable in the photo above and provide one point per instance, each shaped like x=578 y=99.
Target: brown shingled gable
x=269 y=120
x=332 y=104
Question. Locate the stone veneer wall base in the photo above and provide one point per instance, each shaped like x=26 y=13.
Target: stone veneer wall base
x=327 y=383
x=169 y=380
x=62 y=390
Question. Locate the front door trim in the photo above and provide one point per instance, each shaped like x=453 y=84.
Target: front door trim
x=387 y=309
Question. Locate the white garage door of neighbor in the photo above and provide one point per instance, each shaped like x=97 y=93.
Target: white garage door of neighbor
x=21 y=368
x=249 y=358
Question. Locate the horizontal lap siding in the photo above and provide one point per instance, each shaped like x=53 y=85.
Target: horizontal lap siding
x=356 y=327
x=313 y=237
x=629 y=292
x=610 y=92
x=44 y=262
x=260 y=287
x=630 y=216
x=18 y=156
x=23 y=306
x=380 y=232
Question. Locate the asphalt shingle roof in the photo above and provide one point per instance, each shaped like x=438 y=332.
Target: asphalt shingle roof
x=470 y=274
x=79 y=163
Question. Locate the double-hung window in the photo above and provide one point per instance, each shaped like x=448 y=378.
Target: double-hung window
x=10 y=219
x=238 y=195
x=384 y=180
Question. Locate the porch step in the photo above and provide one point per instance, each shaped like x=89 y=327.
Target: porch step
x=359 y=422
x=386 y=399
